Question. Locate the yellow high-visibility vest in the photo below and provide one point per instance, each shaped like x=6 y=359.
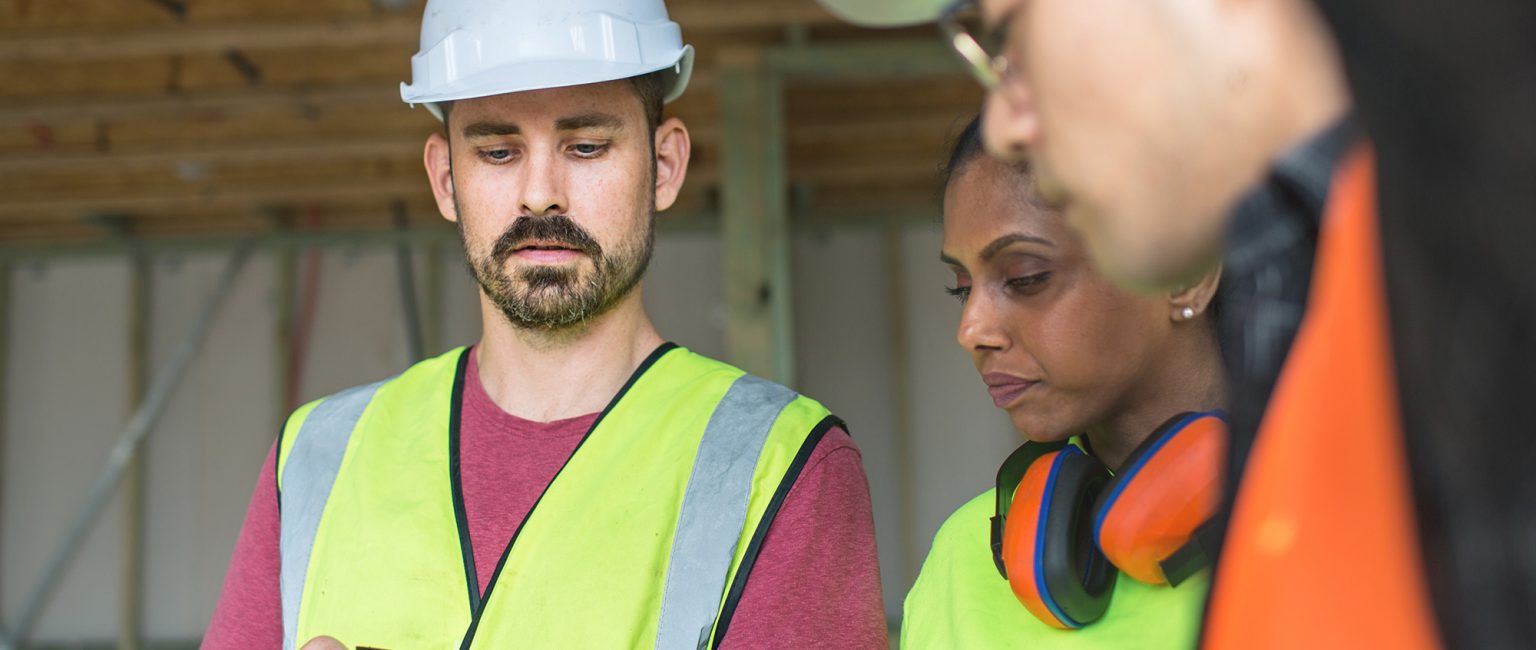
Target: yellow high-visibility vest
x=960 y=601
x=643 y=539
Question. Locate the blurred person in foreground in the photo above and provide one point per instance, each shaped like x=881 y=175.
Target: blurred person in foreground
x=1117 y=394
x=1179 y=134
x=571 y=480
x=1447 y=92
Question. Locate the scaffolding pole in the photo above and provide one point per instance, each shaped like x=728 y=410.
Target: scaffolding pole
x=123 y=450
x=406 y=273
x=754 y=218
x=902 y=397
x=131 y=585
x=5 y=369
x=432 y=299
x=284 y=261
x=754 y=212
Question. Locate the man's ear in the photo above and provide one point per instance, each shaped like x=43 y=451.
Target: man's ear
x=438 y=157
x=1189 y=301
x=673 y=147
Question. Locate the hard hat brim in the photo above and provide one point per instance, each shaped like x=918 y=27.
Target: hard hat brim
x=541 y=75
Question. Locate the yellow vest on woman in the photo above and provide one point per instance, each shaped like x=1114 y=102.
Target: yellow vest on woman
x=960 y=601
x=644 y=538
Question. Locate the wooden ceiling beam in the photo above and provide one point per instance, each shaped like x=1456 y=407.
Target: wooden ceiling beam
x=143 y=200
x=177 y=198
x=956 y=92
x=297 y=153
x=188 y=106
x=210 y=39
x=845 y=137
x=385 y=29
x=299 y=100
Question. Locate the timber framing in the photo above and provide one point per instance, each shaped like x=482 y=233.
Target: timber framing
x=207 y=121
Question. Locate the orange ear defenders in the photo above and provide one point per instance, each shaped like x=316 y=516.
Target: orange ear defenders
x=1064 y=523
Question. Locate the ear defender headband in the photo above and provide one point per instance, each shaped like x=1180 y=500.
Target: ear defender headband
x=1064 y=523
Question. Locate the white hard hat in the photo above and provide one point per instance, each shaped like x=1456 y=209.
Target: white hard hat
x=479 y=48
x=887 y=13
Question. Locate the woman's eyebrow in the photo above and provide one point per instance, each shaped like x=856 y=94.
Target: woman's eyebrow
x=1005 y=241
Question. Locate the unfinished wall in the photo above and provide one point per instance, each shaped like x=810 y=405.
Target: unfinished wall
x=68 y=364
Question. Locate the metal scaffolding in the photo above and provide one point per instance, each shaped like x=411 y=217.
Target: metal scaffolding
x=125 y=448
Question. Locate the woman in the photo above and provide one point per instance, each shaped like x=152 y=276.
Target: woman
x=1116 y=393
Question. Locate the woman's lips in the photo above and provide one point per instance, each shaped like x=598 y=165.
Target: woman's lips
x=1005 y=388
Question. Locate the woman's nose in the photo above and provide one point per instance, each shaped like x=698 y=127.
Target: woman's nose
x=980 y=324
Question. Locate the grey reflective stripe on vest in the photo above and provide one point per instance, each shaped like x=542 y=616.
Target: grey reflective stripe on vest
x=715 y=509
x=308 y=476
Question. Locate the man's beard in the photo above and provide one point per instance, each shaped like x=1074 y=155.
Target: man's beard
x=559 y=298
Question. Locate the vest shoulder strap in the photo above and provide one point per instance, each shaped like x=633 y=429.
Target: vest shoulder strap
x=306 y=477
x=714 y=509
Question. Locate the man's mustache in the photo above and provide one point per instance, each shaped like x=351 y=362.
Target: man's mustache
x=557 y=229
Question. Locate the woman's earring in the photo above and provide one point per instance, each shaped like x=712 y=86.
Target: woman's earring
x=1187 y=313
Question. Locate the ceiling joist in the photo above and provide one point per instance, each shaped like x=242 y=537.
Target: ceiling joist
x=385 y=29
x=180 y=117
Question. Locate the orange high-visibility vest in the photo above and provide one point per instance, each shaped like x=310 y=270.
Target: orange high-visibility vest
x=1322 y=550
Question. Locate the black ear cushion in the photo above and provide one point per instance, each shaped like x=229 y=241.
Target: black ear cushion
x=1008 y=477
x=1078 y=578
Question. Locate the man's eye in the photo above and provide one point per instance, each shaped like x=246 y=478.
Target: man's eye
x=496 y=155
x=587 y=149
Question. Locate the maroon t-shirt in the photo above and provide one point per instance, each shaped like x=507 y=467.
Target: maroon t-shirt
x=816 y=583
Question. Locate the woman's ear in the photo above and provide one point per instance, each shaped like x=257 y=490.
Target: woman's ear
x=673 y=147
x=1189 y=301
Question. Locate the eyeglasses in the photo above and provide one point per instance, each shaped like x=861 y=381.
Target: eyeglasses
x=989 y=68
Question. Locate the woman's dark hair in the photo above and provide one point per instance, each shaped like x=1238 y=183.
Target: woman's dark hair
x=967 y=147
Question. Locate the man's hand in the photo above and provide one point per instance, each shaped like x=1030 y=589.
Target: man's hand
x=323 y=643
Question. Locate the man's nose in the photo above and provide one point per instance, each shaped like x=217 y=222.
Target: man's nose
x=543 y=187
x=1010 y=126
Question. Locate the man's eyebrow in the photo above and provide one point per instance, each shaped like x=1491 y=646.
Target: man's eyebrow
x=589 y=121
x=489 y=129
x=1005 y=241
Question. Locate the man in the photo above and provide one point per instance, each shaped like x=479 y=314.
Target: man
x=1445 y=90
x=1174 y=132
x=571 y=480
